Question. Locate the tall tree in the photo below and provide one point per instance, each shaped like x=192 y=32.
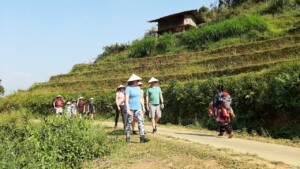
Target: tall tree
x=1 y=89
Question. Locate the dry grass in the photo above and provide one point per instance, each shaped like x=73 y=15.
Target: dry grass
x=165 y=152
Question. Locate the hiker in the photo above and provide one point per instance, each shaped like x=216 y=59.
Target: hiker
x=221 y=108
x=155 y=102
x=58 y=105
x=81 y=106
x=91 y=109
x=120 y=106
x=74 y=108
x=133 y=101
x=140 y=84
x=69 y=109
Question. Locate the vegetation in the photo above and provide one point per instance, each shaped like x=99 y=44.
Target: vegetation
x=164 y=152
x=52 y=143
x=1 y=89
x=254 y=53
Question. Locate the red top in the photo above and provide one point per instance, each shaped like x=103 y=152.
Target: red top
x=81 y=105
x=58 y=103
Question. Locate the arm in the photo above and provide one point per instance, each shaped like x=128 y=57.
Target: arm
x=161 y=98
x=117 y=103
x=143 y=102
x=127 y=104
x=147 y=102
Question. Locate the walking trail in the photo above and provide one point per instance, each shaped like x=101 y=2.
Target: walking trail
x=272 y=152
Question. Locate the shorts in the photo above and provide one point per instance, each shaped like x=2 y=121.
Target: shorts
x=58 y=110
x=154 y=111
x=81 y=111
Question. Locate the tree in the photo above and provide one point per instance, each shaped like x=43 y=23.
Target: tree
x=1 y=89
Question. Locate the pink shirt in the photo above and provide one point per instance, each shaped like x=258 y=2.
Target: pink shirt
x=121 y=98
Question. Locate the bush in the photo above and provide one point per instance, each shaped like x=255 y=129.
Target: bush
x=54 y=143
x=278 y=5
x=142 y=48
x=268 y=100
x=196 y=39
x=165 y=43
x=112 y=50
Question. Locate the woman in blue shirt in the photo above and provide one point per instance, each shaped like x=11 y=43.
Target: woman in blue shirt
x=133 y=101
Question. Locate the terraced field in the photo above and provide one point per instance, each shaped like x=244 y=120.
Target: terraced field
x=227 y=61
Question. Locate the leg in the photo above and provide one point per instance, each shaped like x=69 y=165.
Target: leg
x=140 y=119
x=222 y=129
x=152 y=116
x=117 y=116
x=124 y=116
x=133 y=125
x=128 y=125
x=228 y=129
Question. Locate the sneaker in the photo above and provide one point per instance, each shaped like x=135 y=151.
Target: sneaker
x=127 y=139
x=143 y=139
x=221 y=134
x=134 y=132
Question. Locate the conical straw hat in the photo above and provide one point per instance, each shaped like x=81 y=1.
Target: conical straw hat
x=152 y=80
x=133 y=77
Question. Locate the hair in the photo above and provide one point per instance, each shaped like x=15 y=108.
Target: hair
x=220 y=88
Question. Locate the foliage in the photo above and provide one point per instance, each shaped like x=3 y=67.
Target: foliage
x=111 y=50
x=269 y=100
x=54 y=143
x=142 y=48
x=278 y=5
x=165 y=43
x=1 y=89
x=196 y=39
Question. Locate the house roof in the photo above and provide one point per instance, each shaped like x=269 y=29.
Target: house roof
x=194 y=13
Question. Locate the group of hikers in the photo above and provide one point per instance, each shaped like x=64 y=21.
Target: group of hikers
x=130 y=104
x=74 y=106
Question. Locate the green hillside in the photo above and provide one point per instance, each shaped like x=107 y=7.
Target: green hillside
x=253 y=49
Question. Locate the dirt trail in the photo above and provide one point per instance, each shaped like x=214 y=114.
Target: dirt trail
x=273 y=152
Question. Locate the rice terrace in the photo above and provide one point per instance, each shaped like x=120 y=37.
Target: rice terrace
x=177 y=84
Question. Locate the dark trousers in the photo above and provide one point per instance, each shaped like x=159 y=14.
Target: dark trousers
x=225 y=127
x=123 y=114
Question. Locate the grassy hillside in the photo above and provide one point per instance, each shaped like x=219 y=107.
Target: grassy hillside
x=253 y=49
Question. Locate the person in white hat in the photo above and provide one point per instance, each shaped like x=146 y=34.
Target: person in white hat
x=69 y=109
x=154 y=102
x=58 y=105
x=133 y=101
x=140 y=84
x=120 y=106
x=91 y=108
x=81 y=106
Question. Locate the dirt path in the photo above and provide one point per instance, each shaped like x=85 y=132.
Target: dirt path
x=273 y=152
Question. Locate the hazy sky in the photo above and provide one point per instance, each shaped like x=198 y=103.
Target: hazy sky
x=40 y=38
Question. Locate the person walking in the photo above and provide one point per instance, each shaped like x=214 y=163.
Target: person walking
x=81 y=106
x=69 y=109
x=140 y=84
x=133 y=101
x=120 y=106
x=221 y=108
x=74 y=108
x=58 y=105
x=155 y=102
x=91 y=109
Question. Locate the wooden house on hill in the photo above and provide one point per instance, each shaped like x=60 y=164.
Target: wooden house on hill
x=178 y=22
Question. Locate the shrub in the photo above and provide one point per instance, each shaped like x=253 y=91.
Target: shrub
x=165 y=43
x=268 y=100
x=142 y=48
x=54 y=143
x=278 y=5
x=112 y=50
x=196 y=39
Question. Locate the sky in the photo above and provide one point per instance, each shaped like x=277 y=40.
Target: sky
x=40 y=38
